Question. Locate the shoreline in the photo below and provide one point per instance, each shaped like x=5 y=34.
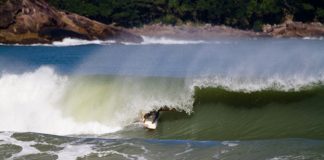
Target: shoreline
x=288 y=29
x=163 y=40
x=193 y=32
x=201 y=32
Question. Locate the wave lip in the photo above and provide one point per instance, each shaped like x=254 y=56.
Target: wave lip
x=295 y=83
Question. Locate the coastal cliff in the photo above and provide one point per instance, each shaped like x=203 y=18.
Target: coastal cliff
x=35 y=21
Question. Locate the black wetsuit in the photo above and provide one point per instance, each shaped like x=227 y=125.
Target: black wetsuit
x=156 y=115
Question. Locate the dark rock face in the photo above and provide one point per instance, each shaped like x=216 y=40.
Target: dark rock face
x=8 y=14
x=34 y=21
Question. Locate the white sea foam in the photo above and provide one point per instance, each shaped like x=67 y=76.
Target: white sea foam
x=71 y=152
x=68 y=42
x=30 y=102
x=146 y=41
x=46 y=102
x=313 y=38
x=77 y=42
x=230 y=144
x=26 y=146
x=165 y=40
x=297 y=156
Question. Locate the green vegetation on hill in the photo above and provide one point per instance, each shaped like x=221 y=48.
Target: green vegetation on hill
x=244 y=14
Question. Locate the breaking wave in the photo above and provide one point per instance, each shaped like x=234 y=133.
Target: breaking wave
x=47 y=102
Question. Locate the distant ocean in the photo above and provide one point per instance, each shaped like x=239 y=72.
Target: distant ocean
x=230 y=99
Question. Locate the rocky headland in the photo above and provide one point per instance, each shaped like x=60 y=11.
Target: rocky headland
x=34 y=21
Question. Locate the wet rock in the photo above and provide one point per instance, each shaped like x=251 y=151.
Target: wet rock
x=34 y=21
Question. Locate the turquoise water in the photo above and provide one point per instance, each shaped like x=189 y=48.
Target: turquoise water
x=229 y=99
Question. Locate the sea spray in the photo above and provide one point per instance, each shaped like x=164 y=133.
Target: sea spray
x=29 y=102
x=44 y=101
x=252 y=84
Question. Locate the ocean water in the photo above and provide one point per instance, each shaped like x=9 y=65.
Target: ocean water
x=229 y=99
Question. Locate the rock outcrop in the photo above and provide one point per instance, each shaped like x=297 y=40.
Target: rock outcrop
x=35 y=21
x=295 y=29
x=192 y=31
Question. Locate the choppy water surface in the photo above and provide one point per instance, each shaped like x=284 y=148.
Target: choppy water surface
x=230 y=99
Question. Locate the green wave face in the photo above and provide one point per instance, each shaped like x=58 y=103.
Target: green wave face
x=200 y=112
x=222 y=115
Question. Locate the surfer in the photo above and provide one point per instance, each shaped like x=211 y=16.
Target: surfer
x=154 y=114
x=150 y=119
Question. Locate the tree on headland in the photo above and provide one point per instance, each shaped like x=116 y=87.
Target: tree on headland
x=244 y=14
